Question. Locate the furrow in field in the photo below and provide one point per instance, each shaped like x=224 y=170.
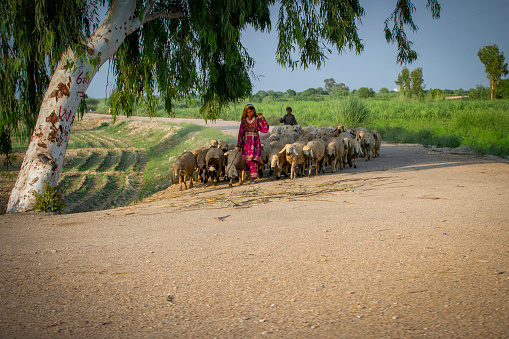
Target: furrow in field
x=97 y=197
x=108 y=162
x=140 y=160
x=126 y=161
x=85 y=183
x=92 y=161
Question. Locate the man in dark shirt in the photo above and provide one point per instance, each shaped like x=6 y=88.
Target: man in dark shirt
x=289 y=118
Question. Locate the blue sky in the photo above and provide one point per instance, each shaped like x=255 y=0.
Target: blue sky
x=447 y=50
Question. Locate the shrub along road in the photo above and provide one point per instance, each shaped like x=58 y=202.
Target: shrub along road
x=413 y=243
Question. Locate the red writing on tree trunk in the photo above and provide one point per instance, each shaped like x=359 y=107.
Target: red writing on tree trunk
x=81 y=80
x=65 y=115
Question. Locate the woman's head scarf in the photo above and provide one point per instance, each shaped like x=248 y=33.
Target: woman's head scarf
x=244 y=113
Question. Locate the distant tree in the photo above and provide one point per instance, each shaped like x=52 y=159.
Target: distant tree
x=363 y=92
x=338 y=92
x=321 y=91
x=437 y=94
x=403 y=81
x=503 y=89
x=417 y=82
x=291 y=93
x=310 y=91
x=261 y=94
x=494 y=65
x=343 y=87
x=330 y=84
x=461 y=92
x=480 y=92
x=383 y=90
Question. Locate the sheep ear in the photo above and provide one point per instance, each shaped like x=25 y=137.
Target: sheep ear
x=282 y=151
x=311 y=152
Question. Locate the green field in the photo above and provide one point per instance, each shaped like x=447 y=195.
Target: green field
x=482 y=124
x=114 y=164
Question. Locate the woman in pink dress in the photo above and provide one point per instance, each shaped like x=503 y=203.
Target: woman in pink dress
x=249 y=140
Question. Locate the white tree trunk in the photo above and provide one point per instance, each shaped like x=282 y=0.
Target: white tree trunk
x=45 y=154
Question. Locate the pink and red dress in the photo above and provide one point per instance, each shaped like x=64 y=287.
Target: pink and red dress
x=249 y=140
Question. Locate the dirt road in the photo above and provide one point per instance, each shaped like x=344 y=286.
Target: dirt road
x=411 y=244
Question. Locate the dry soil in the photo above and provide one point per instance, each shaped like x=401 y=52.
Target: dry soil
x=410 y=244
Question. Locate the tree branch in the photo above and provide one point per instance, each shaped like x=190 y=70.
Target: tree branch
x=153 y=16
x=148 y=8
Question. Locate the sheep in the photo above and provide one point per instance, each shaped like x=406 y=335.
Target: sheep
x=214 y=164
x=296 y=128
x=266 y=149
x=196 y=153
x=235 y=165
x=315 y=150
x=277 y=160
x=335 y=153
x=355 y=152
x=214 y=143
x=287 y=139
x=201 y=165
x=224 y=146
x=295 y=156
x=366 y=141
x=340 y=129
x=277 y=129
x=184 y=167
x=347 y=142
x=378 y=143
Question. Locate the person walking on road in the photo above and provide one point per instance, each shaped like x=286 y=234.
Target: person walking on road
x=249 y=140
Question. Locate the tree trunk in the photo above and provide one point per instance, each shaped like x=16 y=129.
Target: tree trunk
x=45 y=154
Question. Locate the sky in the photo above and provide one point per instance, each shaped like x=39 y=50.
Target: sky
x=447 y=50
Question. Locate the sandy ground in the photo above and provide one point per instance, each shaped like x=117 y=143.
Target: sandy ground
x=410 y=244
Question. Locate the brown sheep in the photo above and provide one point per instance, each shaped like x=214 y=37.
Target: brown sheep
x=184 y=167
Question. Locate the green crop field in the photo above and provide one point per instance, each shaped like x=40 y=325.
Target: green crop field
x=482 y=124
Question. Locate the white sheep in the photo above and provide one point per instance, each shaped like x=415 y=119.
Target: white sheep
x=354 y=154
x=184 y=167
x=235 y=165
x=315 y=150
x=335 y=153
x=366 y=141
x=295 y=156
x=277 y=129
x=378 y=143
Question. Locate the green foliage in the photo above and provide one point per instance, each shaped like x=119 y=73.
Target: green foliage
x=417 y=82
x=503 y=89
x=494 y=65
x=351 y=112
x=403 y=81
x=480 y=93
x=383 y=90
x=51 y=200
x=365 y=92
x=401 y=17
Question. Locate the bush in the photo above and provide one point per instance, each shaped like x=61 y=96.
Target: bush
x=351 y=112
x=50 y=200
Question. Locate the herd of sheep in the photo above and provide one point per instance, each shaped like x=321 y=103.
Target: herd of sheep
x=286 y=150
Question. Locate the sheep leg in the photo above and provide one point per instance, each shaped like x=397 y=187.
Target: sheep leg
x=191 y=181
x=185 y=183
x=180 y=182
